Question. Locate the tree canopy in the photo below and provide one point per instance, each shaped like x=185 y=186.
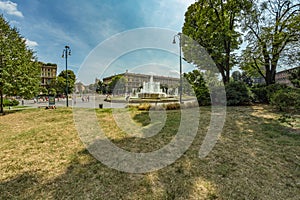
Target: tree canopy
x=273 y=34
x=117 y=85
x=61 y=82
x=213 y=25
x=19 y=70
x=197 y=86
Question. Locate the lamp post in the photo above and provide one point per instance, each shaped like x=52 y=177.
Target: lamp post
x=66 y=52
x=180 y=65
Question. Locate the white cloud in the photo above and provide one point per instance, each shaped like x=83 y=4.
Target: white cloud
x=31 y=44
x=186 y=3
x=10 y=8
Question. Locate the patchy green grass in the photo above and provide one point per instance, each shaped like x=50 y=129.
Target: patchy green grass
x=256 y=157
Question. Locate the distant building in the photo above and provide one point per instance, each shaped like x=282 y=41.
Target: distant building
x=135 y=81
x=48 y=73
x=258 y=80
x=283 y=76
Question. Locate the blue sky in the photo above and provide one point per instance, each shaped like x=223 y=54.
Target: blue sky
x=84 y=25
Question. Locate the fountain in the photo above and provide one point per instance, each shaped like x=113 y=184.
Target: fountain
x=151 y=92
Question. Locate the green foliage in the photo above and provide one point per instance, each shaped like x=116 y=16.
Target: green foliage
x=263 y=93
x=286 y=99
x=172 y=106
x=61 y=82
x=10 y=102
x=236 y=76
x=198 y=85
x=20 y=72
x=237 y=93
x=117 y=85
x=144 y=106
x=101 y=88
x=295 y=77
x=273 y=36
x=212 y=30
x=51 y=64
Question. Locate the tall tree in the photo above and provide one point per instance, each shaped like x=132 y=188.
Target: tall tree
x=117 y=85
x=101 y=87
x=61 y=82
x=213 y=25
x=19 y=70
x=273 y=29
x=197 y=83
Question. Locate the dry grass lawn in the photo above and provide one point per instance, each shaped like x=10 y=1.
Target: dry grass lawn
x=256 y=157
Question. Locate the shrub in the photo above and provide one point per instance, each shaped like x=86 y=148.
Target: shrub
x=203 y=96
x=194 y=83
x=237 y=94
x=260 y=94
x=10 y=102
x=144 y=106
x=263 y=93
x=286 y=99
x=218 y=95
x=172 y=106
x=147 y=106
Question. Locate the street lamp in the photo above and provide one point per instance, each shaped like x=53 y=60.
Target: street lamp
x=66 y=52
x=180 y=64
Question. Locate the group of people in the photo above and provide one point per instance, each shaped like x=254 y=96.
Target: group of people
x=83 y=99
x=87 y=98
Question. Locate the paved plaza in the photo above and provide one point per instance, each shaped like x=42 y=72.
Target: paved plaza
x=86 y=101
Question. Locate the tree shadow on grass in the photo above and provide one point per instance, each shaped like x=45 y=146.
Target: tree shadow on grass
x=256 y=157
x=142 y=118
x=19 y=186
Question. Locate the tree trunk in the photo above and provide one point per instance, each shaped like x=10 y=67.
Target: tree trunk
x=271 y=72
x=1 y=101
x=227 y=75
x=270 y=77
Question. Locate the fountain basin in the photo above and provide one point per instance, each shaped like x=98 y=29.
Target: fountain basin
x=151 y=95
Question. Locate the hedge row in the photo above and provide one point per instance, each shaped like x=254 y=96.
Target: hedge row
x=238 y=93
x=9 y=102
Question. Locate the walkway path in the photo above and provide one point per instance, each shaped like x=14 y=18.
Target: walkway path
x=93 y=102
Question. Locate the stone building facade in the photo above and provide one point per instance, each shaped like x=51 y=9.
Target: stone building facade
x=48 y=73
x=134 y=81
x=283 y=76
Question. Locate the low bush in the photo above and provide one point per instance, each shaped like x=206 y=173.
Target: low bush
x=237 y=93
x=10 y=102
x=169 y=106
x=286 y=99
x=203 y=96
x=263 y=93
x=144 y=106
x=172 y=106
